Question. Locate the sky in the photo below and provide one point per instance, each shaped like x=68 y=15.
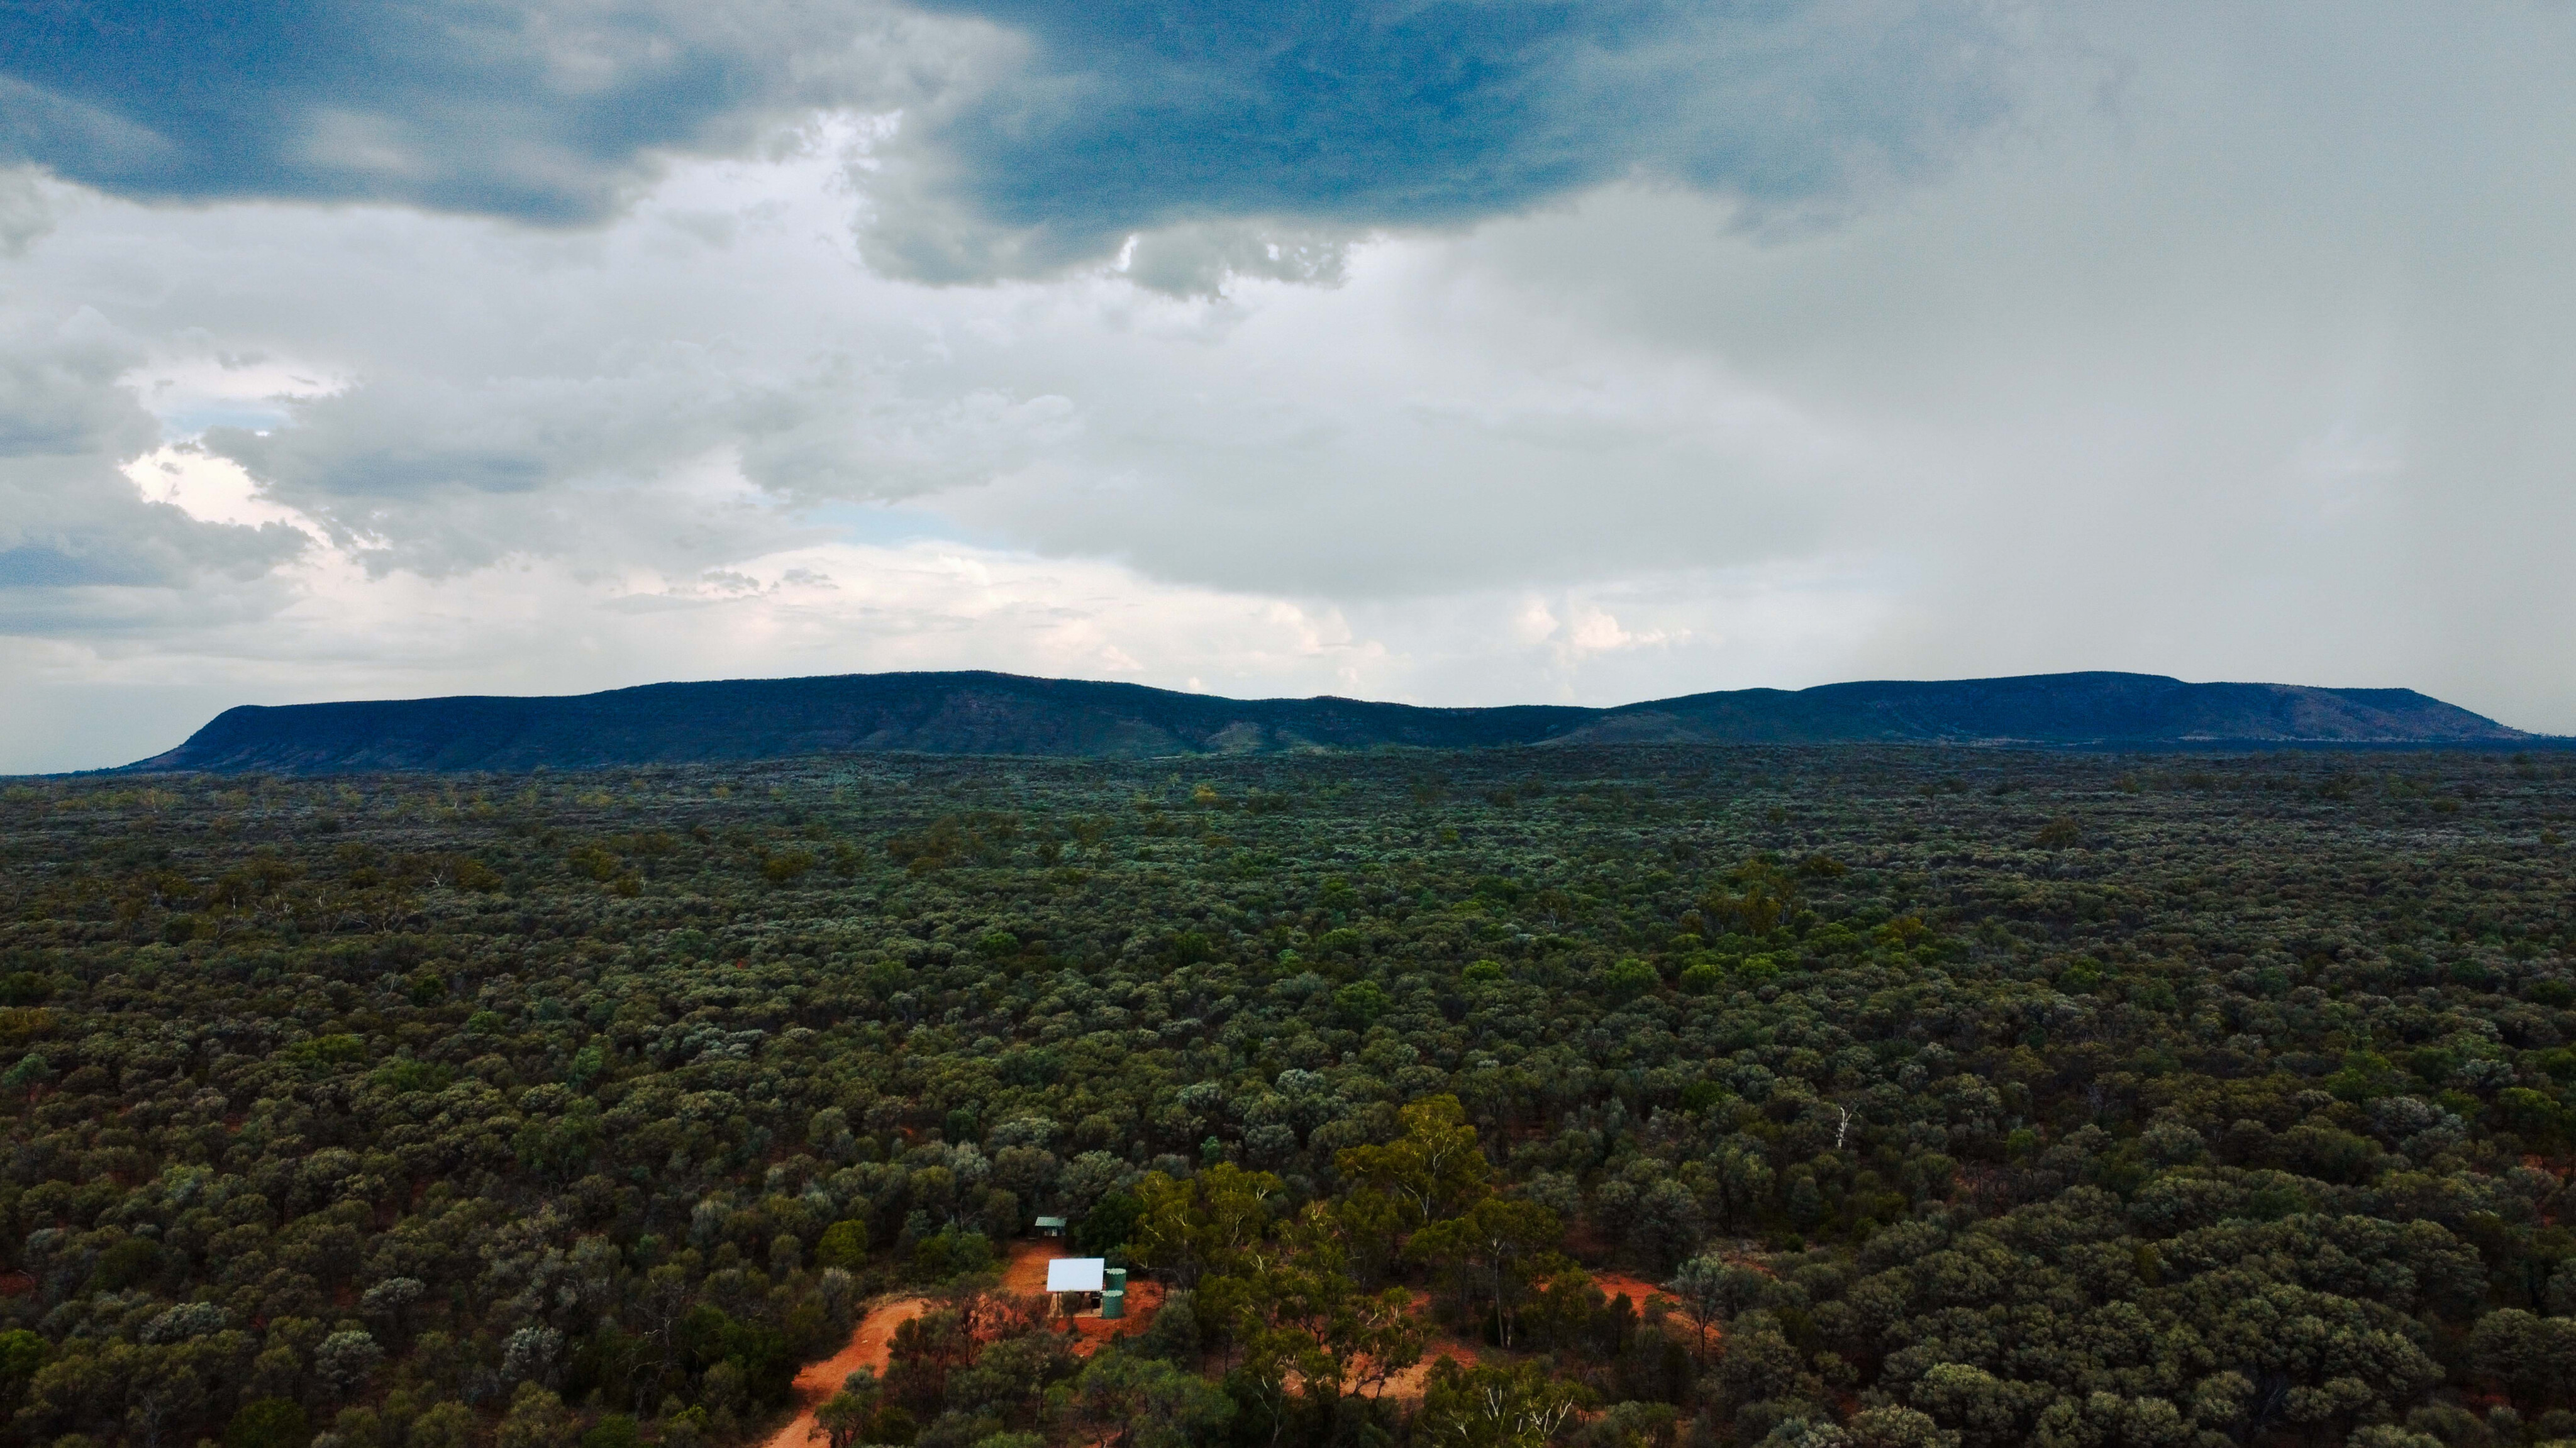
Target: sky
x=1444 y=351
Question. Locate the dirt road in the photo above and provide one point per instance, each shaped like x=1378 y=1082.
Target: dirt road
x=1407 y=1385
x=1023 y=1273
x=867 y=1348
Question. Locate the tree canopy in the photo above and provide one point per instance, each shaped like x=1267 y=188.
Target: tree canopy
x=1940 y=1097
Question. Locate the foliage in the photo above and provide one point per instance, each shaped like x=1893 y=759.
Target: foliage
x=1959 y=1098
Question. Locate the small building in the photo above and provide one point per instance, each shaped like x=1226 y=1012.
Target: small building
x=1050 y=1226
x=1076 y=1274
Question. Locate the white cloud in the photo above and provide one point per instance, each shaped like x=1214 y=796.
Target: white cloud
x=212 y=490
x=1536 y=623
x=26 y=209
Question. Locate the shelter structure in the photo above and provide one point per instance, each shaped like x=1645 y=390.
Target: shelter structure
x=1077 y=1274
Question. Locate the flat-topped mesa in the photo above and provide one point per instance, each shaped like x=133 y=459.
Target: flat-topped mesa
x=1008 y=714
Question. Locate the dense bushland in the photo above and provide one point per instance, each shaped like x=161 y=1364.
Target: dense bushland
x=1956 y=1097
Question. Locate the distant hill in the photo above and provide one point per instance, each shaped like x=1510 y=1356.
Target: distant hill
x=983 y=713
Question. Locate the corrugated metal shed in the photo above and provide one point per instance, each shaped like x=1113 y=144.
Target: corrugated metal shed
x=1076 y=1274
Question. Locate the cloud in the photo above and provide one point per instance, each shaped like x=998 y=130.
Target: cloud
x=70 y=522
x=2234 y=349
x=1033 y=135
x=434 y=476
x=26 y=212
x=1134 y=115
x=556 y=627
x=439 y=395
x=549 y=113
x=2225 y=372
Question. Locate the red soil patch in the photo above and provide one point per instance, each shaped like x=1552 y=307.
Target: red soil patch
x=1407 y=1386
x=1144 y=1299
x=16 y=1284
x=869 y=1347
x=1638 y=1289
x=1025 y=1272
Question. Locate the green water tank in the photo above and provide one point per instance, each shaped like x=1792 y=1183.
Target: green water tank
x=1113 y=1304
x=1114 y=1279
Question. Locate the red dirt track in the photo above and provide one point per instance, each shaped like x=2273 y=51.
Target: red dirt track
x=1024 y=1274
x=868 y=1348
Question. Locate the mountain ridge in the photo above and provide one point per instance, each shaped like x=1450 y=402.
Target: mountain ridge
x=978 y=712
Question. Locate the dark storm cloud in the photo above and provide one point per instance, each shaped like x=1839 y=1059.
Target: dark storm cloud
x=1141 y=113
x=541 y=113
x=117 y=543
x=1087 y=119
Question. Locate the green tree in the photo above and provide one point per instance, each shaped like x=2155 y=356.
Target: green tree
x=1202 y=1223
x=537 y=1419
x=268 y=1423
x=443 y=1425
x=1432 y=1170
x=1712 y=1291
x=1126 y=1400
x=1496 y=1406
x=844 y=1244
x=1630 y=977
x=1500 y=1243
